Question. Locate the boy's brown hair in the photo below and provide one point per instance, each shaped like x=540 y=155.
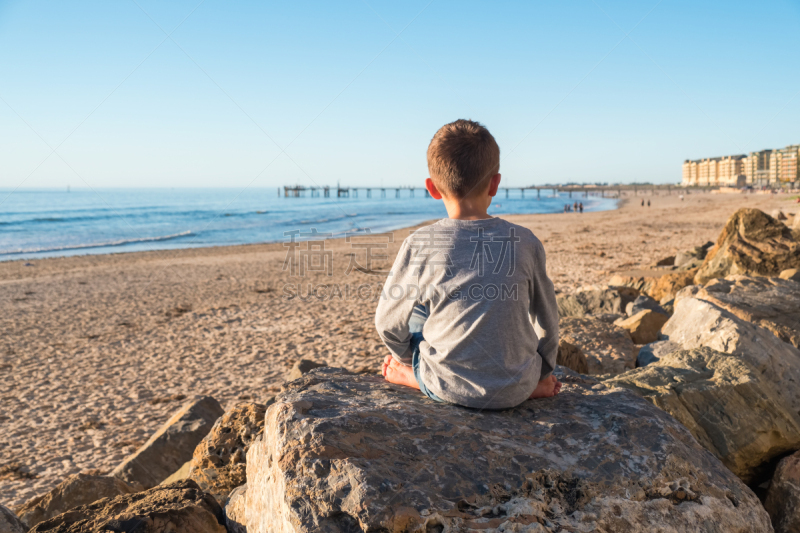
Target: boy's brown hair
x=462 y=157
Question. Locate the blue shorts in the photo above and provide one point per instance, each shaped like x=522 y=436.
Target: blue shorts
x=417 y=338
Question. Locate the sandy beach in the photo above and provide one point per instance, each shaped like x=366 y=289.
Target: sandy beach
x=97 y=351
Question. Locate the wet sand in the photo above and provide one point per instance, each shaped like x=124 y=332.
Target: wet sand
x=96 y=351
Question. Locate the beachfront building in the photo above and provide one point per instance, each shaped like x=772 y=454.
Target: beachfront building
x=764 y=168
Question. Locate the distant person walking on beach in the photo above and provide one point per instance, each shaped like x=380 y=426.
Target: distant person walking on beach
x=648 y=203
x=580 y=207
x=642 y=202
x=458 y=340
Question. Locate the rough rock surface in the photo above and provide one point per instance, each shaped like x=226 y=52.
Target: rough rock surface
x=608 y=348
x=218 y=463
x=301 y=367
x=783 y=496
x=698 y=323
x=235 y=511
x=771 y=303
x=344 y=452
x=9 y=523
x=752 y=242
x=571 y=357
x=660 y=285
x=595 y=302
x=172 y=445
x=179 y=474
x=650 y=353
x=643 y=302
x=692 y=256
x=726 y=405
x=644 y=326
x=178 y=508
x=75 y=490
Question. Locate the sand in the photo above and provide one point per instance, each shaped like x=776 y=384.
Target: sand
x=97 y=351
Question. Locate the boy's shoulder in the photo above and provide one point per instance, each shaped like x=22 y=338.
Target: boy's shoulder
x=446 y=228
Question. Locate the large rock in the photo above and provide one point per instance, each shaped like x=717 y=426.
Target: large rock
x=783 y=496
x=303 y=366
x=697 y=323
x=235 y=511
x=178 y=508
x=660 y=285
x=654 y=351
x=644 y=326
x=608 y=348
x=642 y=303
x=345 y=453
x=771 y=303
x=9 y=523
x=571 y=357
x=595 y=302
x=74 y=491
x=172 y=445
x=752 y=242
x=693 y=257
x=218 y=464
x=727 y=406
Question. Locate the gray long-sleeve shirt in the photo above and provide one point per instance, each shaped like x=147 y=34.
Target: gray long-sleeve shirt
x=484 y=284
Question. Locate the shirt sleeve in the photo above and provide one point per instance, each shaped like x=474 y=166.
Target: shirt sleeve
x=545 y=310
x=395 y=308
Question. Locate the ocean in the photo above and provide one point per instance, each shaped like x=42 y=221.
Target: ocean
x=48 y=223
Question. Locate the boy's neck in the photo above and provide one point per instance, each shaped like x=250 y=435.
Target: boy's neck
x=467 y=208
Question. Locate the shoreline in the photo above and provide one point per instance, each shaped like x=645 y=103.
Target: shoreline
x=110 y=248
x=97 y=347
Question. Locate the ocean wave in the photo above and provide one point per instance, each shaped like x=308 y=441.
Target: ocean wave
x=121 y=242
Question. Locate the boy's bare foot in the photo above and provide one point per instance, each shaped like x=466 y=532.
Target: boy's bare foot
x=398 y=373
x=547 y=388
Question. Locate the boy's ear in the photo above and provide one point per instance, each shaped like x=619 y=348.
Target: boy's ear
x=432 y=189
x=494 y=183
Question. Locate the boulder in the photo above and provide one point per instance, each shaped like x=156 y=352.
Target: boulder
x=729 y=408
x=172 y=445
x=9 y=523
x=343 y=452
x=643 y=302
x=179 y=474
x=235 y=510
x=652 y=352
x=218 y=464
x=666 y=261
x=698 y=323
x=608 y=348
x=644 y=326
x=301 y=367
x=783 y=497
x=777 y=214
x=772 y=303
x=791 y=274
x=660 y=285
x=693 y=257
x=595 y=302
x=752 y=243
x=571 y=357
x=74 y=491
x=178 y=508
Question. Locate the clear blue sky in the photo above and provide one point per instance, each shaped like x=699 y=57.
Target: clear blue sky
x=273 y=93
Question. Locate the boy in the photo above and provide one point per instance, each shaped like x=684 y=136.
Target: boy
x=458 y=309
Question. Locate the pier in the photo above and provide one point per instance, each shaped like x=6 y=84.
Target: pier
x=604 y=191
